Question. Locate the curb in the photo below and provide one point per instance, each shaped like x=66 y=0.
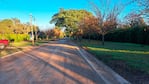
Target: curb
x=119 y=78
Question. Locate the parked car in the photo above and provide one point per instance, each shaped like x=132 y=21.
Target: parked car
x=3 y=43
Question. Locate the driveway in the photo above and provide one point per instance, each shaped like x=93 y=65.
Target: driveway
x=58 y=62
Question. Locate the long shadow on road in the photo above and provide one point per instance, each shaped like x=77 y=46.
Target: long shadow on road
x=58 y=61
x=70 y=64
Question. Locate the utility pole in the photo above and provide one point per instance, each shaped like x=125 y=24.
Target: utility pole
x=32 y=29
x=36 y=36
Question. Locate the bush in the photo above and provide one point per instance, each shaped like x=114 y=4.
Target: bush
x=15 y=37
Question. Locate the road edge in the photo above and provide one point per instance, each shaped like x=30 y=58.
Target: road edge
x=33 y=47
x=119 y=78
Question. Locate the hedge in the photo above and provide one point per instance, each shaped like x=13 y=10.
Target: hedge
x=139 y=35
x=131 y=35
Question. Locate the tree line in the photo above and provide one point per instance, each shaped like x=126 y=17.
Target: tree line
x=105 y=22
x=52 y=34
x=13 y=29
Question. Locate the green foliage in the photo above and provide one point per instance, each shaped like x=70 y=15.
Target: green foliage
x=131 y=35
x=139 y=35
x=69 y=19
x=5 y=26
x=14 y=26
x=133 y=55
x=15 y=37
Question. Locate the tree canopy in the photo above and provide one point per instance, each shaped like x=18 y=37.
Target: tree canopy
x=5 y=26
x=107 y=15
x=69 y=19
x=14 y=26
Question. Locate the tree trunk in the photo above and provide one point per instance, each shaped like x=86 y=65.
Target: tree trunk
x=47 y=37
x=103 y=39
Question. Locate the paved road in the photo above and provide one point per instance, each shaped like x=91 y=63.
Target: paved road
x=58 y=62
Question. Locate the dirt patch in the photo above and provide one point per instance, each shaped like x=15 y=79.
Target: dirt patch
x=131 y=74
x=8 y=51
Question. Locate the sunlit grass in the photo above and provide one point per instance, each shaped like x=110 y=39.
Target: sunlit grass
x=17 y=46
x=21 y=44
x=135 y=56
x=120 y=51
x=27 y=43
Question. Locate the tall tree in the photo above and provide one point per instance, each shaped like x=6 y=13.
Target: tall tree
x=88 y=26
x=107 y=15
x=69 y=19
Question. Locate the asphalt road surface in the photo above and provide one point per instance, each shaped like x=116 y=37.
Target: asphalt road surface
x=58 y=62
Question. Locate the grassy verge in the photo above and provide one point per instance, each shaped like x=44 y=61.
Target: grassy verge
x=17 y=46
x=120 y=56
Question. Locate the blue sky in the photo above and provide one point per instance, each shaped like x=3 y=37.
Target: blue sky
x=42 y=10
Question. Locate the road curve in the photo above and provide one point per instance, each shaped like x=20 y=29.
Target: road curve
x=58 y=62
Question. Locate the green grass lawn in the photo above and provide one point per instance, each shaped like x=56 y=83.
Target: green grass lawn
x=21 y=44
x=17 y=46
x=27 y=43
x=135 y=56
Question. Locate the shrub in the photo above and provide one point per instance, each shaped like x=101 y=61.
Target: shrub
x=15 y=37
